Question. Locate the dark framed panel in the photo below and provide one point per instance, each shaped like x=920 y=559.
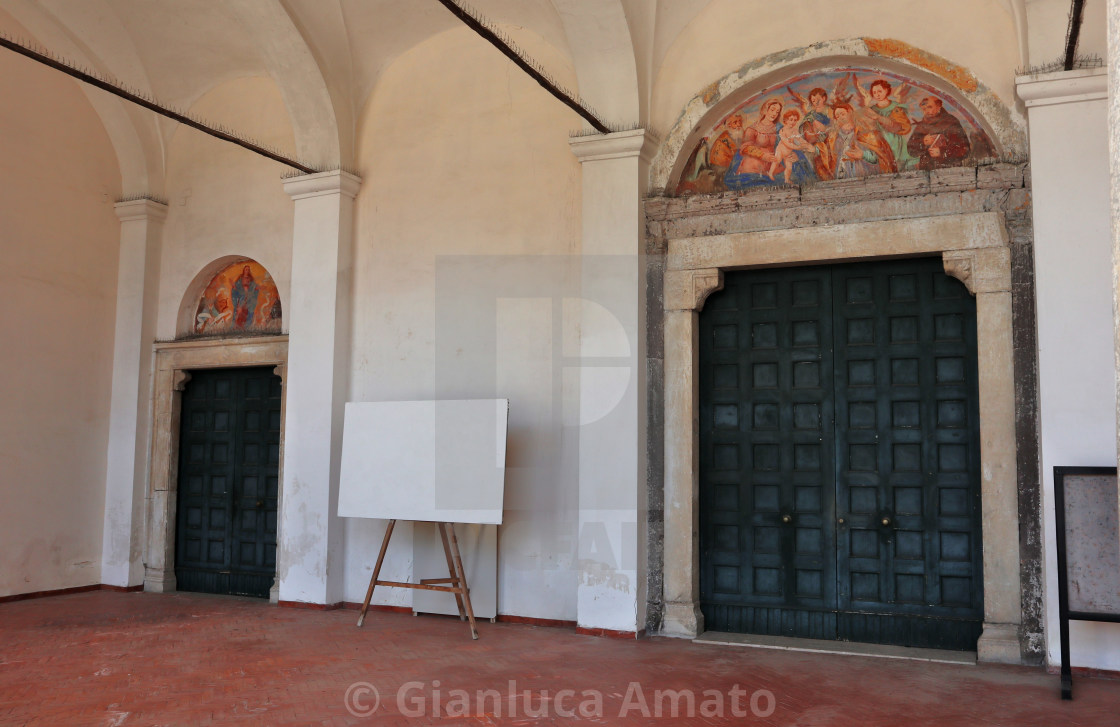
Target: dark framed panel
x=839 y=463
x=1088 y=540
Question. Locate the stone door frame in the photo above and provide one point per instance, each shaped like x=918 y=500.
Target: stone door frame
x=974 y=248
x=173 y=362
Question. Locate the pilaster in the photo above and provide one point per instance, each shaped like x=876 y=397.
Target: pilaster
x=317 y=379
x=986 y=272
x=130 y=397
x=1071 y=173
x=685 y=293
x=611 y=592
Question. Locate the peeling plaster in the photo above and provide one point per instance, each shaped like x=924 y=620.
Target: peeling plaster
x=309 y=537
x=951 y=72
x=593 y=573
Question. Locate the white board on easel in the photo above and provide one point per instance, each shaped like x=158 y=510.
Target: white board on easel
x=436 y=461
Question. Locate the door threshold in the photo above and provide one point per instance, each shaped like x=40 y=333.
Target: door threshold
x=848 y=648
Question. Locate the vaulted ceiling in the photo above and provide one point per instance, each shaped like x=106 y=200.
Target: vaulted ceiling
x=327 y=56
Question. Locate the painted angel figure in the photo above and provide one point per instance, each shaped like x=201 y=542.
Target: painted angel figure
x=815 y=125
x=886 y=107
x=840 y=93
x=816 y=114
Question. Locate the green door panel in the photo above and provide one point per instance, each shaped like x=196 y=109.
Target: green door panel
x=229 y=459
x=839 y=455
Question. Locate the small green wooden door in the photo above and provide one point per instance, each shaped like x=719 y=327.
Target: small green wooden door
x=229 y=458
x=839 y=455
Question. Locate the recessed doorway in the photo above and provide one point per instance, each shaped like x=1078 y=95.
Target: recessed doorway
x=839 y=459
x=229 y=458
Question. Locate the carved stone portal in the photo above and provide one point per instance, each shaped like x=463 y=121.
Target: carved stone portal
x=974 y=249
x=173 y=364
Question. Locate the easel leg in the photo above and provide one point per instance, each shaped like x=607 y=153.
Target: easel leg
x=376 y=570
x=451 y=568
x=462 y=576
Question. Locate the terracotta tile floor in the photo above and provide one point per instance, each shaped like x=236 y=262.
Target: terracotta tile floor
x=144 y=659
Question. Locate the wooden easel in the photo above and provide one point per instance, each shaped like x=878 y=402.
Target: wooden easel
x=457 y=578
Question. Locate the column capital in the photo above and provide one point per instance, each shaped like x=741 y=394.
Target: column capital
x=323 y=183
x=1048 y=89
x=616 y=145
x=141 y=209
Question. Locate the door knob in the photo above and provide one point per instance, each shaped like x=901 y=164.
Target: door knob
x=886 y=521
x=841 y=521
x=787 y=519
x=260 y=503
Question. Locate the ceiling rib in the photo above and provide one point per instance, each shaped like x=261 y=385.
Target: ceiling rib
x=115 y=88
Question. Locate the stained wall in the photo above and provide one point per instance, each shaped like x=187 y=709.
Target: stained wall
x=59 y=238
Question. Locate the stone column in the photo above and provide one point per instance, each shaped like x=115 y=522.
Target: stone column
x=159 y=560
x=317 y=380
x=987 y=275
x=685 y=292
x=611 y=593
x=130 y=399
x=282 y=371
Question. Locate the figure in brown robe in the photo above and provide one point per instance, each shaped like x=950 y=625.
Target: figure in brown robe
x=938 y=140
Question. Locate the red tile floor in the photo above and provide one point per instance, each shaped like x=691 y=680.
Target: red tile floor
x=127 y=659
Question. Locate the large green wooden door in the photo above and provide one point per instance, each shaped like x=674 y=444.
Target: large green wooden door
x=229 y=457
x=839 y=455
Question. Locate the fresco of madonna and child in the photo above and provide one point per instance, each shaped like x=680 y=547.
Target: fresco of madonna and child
x=834 y=124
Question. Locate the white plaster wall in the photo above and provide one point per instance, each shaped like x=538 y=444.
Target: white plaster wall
x=467 y=215
x=58 y=244
x=225 y=200
x=1047 y=22
x=1073 y=263
x=980 y=36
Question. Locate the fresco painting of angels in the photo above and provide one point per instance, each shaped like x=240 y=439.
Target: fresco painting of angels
x=242 y=298
x=834 y=124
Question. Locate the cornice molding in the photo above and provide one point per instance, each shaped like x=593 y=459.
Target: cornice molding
x=323 y=183
x=618 y=145
x=1049 y=89
x=140 y=209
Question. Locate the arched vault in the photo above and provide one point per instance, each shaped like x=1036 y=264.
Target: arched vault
x=292 y=66
x=603 y=55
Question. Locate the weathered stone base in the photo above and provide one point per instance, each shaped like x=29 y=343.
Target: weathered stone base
x=682 y=620
x=999 y=644
x=158 y=580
